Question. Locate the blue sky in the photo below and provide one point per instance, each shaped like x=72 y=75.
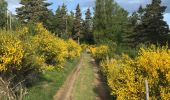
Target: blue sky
x=129 y=5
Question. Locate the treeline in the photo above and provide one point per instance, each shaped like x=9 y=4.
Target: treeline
x=110 y=22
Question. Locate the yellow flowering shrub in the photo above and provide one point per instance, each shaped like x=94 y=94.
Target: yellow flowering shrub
x=126 y=76
x=74 y=49
x=99 y=52
x=53 y=49
x=11 y=52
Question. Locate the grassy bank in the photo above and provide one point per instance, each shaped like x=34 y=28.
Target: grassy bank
x=50 y=82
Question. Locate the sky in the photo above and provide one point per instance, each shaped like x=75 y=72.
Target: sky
x=129 y=5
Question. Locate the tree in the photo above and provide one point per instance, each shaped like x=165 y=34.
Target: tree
x=133 y=21
x=33 y=11
x=70 y=23
x=62 y=21
x=152 y=28
x=3 y=10
x=99 y=20
x=56 y=21
x=77 y=25
x=87 y=28
x=109 y=22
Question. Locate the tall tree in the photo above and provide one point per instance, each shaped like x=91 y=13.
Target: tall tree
x=56 y=21
x=77 y=24
x=70 y=23
x=109 y=21
x=99 y=20
x=33 y=11
x=131 y=38
x=3 y=10
x=87 y=28
x=63 y=21
x=152 y=29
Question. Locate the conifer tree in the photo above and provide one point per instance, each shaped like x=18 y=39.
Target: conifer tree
x=56 y=21
x=152 y=29
x=99 y=24
x=3 y=10
x=62 y=18
x=70 y=23
x=87 y=28
x=134 y=21
x=77 y=24
x=33 y=11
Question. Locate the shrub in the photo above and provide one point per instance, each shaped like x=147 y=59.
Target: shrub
x=53 y=49
x=126 y=76
x=99 y=52
x=11 y=52
x=74 y=49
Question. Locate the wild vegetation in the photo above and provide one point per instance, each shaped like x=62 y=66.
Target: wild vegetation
x=39 y=44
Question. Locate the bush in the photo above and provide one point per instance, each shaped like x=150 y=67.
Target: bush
x=99 y=52
x=26 y=55
x=11 y=52
x=74 y=50
x=126 y=76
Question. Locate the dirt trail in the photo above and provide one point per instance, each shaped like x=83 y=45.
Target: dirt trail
x=65 y=91
x=100 y=88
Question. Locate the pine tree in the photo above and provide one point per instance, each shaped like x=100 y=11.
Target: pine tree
x=109 y=12
x=56 y=21
x=134 y=22
x=152 y=29
x=99 y=24
x=119 y=25
x=87 y=28
x=77 y=25
x=63 y=21
x=33 y=11
x=70 y=23
x=3 y=10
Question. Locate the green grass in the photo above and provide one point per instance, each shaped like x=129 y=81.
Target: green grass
x=50 y=82
x=84 y=87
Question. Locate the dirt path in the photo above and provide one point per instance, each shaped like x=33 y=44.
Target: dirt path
x=99 y=87
x=66 y=90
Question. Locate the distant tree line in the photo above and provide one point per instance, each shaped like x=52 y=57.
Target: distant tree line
x=110 y=23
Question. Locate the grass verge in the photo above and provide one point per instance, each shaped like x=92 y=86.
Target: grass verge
x=84 y=87
x=50 y=82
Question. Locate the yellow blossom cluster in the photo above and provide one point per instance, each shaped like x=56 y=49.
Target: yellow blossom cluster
x=126 y=77
x=55 y=50
x=39 y=51
x=11 y=52
x=74 y=49
x=99 y=52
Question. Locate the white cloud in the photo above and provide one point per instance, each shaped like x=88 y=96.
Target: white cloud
x=12 y=5
x=167 y=18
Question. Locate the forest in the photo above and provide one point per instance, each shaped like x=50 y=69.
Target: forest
x=40 y=49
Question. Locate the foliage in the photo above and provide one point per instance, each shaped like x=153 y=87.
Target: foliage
x=99 y=52
x=87 y=28
x=151 y=27
x=53 y=49
x=3 y=9
x=77 y=26
x=25 y=54
x=109 y=22
x=74 y=50
x=33 y=11
x=126 y=76
x=11 y=52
